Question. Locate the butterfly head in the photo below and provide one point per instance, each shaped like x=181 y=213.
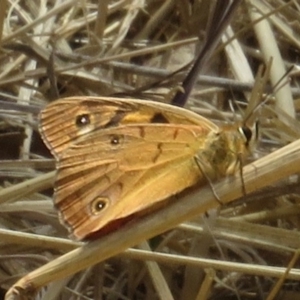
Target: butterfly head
x=249 y=134
x=242 y=143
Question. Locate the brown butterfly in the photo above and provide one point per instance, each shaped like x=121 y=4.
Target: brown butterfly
x=116 y=158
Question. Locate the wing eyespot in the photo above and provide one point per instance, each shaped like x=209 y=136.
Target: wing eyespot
x=99 y=204
x=83 y=120
x=116 y=140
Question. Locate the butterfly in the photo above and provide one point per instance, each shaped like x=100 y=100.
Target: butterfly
x=119 y=157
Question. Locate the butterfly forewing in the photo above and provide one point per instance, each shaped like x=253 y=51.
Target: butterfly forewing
x=61 y=121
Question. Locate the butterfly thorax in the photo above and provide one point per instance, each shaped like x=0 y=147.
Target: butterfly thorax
x=223 y=153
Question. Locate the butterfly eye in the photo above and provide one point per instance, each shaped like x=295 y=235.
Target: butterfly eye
x=247 y=132
x=83 y=120
x=98 y=205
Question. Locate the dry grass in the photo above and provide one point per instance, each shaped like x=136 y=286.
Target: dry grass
x=72 y=48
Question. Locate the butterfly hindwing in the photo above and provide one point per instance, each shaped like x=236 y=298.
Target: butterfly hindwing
x=128 y=169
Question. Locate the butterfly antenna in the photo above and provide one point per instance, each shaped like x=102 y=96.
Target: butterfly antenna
x=257 y=93
x=222 y=14
x=250 y=117
x=281 y=81
x=261 y=79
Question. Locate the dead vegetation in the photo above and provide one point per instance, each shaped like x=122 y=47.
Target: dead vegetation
x=54 y=49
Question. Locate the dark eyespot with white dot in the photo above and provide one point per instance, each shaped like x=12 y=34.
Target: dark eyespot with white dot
x=83 y=120
x=247 y=133
x=115 y=140
x=98 y=205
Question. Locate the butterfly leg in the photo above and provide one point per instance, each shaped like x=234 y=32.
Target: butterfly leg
x=198 y=162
